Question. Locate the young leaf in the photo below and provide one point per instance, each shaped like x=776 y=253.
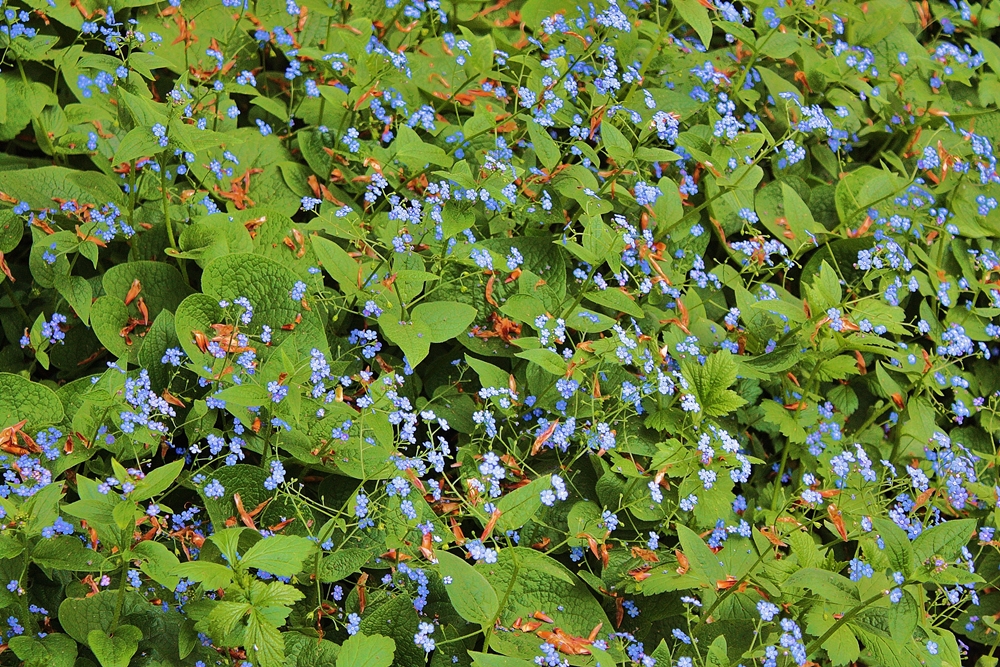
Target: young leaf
x=156 y=481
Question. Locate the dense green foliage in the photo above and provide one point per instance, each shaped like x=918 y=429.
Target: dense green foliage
x=539 y=332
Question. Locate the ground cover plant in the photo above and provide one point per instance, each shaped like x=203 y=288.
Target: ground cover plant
x=535 y=332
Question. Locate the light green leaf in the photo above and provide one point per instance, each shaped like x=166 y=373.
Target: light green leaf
x=139 y=142
x=225 y=616
x=616 y=300
x=493 y=660
x=546 y=359
x=615 y=143
x=280 y=555
x=156 y=481
x=470 y=593
x=158 y=563
x=342 y=563
x=211 y=575
x=545 y=148
x=903 y=617
x=833 y=587
x=412 y=336
x=264 y=643
x=443 y=320
x=897 y=546
x=696 y=15
x=366 y=651
x=520 y=505
x=703 y=563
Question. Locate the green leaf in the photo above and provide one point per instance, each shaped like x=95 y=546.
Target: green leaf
x=79 y=616
x=11 y=227
x=139 y=142
x=304 y=651
x=267 y=284
x=546 y=359
x=115 y=650
x=342 y=563
x=20 y=398
x=615 y=143
x=280 y=555
x=108 y=315
x=264 y=643
x=64 y=552
x=156 y=481
x=489 y=375
x=897 y=546
x=414 y=153
x=158 y=563
x=718 y=653
x=444 y=320
x=696 y=15
x=530 y=581
x=520 y=505
x=545 y=148
x=78 y=294
x=162 y=286
x=833 y=587
x=335 y=261
x=710 y=383
x=226 y=616
x=945 y=540
x=40 y=187
x=903 y=617
x=493 y=660
x=53 y=650
x=412 y=336
x=703 y=563
x=211 y=575
x=469 y=591
x=366 y=651
x=617 y=300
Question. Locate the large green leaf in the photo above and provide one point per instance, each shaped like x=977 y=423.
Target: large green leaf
x=362 y=650
x=22 y=399
x=526 y=582
x=268 y=285
x=469 y=591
